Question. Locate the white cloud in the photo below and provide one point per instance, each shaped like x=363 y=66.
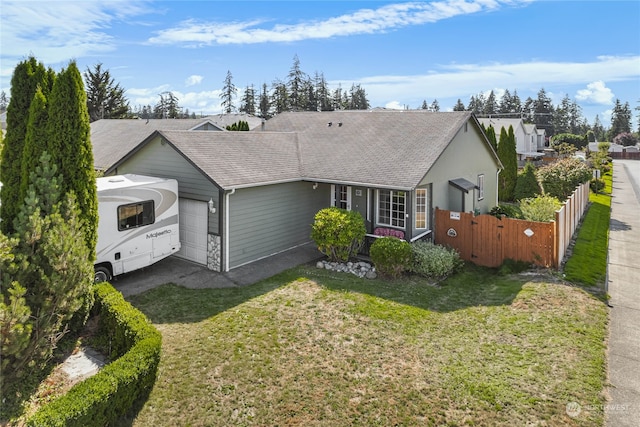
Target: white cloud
x=463 y=80
x=394 y=105
x=205 y=102
x=193 y=80
x=193 y=33
x=596 y=93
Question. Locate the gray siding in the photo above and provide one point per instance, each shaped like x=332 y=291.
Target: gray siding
x=161 y=160
x=269 y=219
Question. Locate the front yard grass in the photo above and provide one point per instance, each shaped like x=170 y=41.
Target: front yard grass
x=310 y=347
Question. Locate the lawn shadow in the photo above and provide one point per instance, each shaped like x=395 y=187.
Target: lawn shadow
x=171 y=303
x=472 y=287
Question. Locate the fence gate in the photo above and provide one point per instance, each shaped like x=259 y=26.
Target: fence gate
x=486 y=240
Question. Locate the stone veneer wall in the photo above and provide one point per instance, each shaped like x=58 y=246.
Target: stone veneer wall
x=214 y=252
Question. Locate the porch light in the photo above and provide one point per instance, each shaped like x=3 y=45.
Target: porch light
x=212 y=206
x=315 y=185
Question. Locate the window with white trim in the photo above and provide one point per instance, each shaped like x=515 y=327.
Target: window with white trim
x=481 y=186
x=421 y=209
x=392 y=208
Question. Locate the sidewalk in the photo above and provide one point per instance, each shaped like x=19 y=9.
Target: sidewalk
x=623 y=281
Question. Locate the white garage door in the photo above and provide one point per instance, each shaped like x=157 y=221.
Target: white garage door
x=193 y=231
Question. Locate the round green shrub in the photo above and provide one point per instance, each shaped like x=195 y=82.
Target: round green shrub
x=338 y=233
x=435 y=261
x=506 y=209
x=391 y=256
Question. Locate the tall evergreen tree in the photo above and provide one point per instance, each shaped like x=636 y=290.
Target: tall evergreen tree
x=228 y=93
x=35 y=140
x=27 y=77
x=264 y=105
x=527 y=184
x=508 y=176
x=296 y=83
x=435 y=106
x=248 y=102
x=459 y=106
x=69 y=144
x=543 y=112
x=490 y=105
x=167 y=107
x=323 y=94
x=280 y=97
x=620 y=119
x=424 y=106
x=358 y=99
x=105 y=97
x=491 y=136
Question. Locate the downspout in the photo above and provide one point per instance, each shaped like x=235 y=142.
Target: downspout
x=226 y=228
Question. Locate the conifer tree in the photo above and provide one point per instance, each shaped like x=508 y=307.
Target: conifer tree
x=491 y=136
x=35 y=142
x=509 y=158
x=27 y=76
x=527 y=184
x=69 y=145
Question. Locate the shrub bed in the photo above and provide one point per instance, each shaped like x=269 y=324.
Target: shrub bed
x=134 y=346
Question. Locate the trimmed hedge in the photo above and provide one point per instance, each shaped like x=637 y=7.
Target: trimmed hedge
x=135 y=347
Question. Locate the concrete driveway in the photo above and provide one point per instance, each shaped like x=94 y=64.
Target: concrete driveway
x=195 y=276
x=623 y=283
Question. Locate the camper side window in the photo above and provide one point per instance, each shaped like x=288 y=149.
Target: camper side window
x=136 y=215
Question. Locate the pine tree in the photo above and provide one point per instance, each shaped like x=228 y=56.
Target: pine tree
x=509 y=158
x=248 y=103
x=620 y=119
x=35 y=140
x=491 y=136
x=105 y=98
x=527 y=183
x=27 y=76
x=264 y=106
x=295 y=85
x=228 y=94
x=69 y=144
x=459 y=106
x=435 y=106
x=52 y=262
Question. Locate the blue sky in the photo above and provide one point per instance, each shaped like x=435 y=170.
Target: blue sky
x=400 y=52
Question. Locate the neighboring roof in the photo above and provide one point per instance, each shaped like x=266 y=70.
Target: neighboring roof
x=498 y=123
x=113 y=139
x=371 y=147
x=530 y=128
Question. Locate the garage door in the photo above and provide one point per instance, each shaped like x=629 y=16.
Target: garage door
x=193 y=231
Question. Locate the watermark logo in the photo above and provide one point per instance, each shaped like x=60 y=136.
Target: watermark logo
x=573 y=409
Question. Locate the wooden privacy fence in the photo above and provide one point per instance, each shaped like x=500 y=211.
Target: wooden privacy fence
x=486 y=240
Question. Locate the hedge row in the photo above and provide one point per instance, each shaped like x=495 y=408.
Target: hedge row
x=135 y=350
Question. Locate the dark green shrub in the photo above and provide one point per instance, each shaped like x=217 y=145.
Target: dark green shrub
x=434 y=261
x=391 y=256
x=527 y=183
x=506 y=209
x=596 y=185
x=108 y=395
x=577 y=141
x=338 y=233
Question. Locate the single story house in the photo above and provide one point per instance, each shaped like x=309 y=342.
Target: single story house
x=245 y=196
x=526 y=136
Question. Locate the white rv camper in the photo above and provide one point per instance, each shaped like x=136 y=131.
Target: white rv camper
x=138 y=223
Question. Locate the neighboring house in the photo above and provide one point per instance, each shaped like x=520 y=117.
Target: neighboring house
x=541 y=139
x=248 y=195
x=613 y=147
x=526 y=136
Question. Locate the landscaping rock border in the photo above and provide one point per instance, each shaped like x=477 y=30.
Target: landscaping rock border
x=361 y=269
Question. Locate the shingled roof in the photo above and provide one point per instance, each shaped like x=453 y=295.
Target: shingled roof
x=113 y=139
x=392 y=149
x=376 y=148
x=240 y=159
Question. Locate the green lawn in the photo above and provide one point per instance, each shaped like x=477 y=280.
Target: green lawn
x=314 y=348
x=588 y=263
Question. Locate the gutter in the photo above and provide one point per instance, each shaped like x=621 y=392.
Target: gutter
x=226 y=228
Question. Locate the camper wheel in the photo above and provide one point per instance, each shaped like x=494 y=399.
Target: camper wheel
x=102 y=274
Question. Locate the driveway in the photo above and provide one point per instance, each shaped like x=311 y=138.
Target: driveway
x=624 y=288
x=195 y=276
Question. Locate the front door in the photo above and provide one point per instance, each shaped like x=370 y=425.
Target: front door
x=341 y=196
